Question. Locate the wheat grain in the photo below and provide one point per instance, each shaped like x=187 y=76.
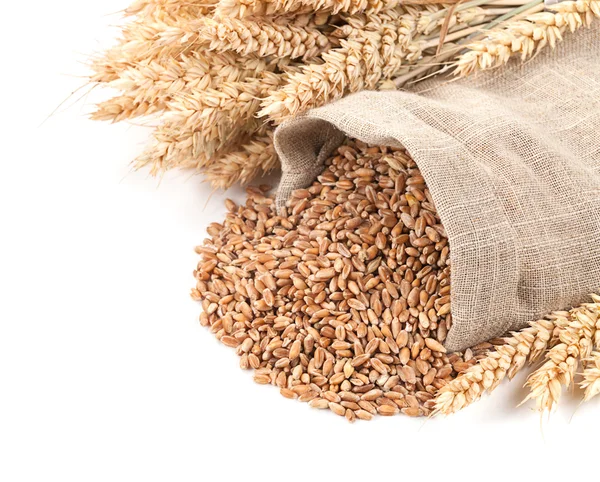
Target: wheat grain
x=345 y=311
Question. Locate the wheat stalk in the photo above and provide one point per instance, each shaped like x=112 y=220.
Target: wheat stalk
x=575 y=344
x=528 y=36
x=428 y=22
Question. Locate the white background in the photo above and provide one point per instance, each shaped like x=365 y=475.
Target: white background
x=105 y=373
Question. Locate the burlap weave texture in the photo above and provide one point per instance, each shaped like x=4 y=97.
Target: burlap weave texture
x=512 y=160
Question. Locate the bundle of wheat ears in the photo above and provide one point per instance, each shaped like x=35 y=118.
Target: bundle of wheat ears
x=216 y=77
x=566 y=340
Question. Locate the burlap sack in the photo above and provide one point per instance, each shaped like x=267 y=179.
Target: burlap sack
x=512 y=160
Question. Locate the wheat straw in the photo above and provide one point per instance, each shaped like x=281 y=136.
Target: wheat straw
x=428 y=22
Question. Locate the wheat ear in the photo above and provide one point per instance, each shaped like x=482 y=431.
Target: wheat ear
x=264 y=8
x=149 y=86
x=487 y=374
x=264 y=38
x=198 y=126
x=575 y=344
x=364 y=58
x=139 y=40
x=151 y=9
x=528 y=36
x=216 y=113
x=591 y=377
x=256 y=157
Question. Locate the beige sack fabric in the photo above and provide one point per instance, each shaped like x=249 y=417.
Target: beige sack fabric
x=512 y=160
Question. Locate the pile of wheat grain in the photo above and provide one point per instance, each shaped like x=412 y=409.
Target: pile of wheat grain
x=343 y=301
x=215 y=77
